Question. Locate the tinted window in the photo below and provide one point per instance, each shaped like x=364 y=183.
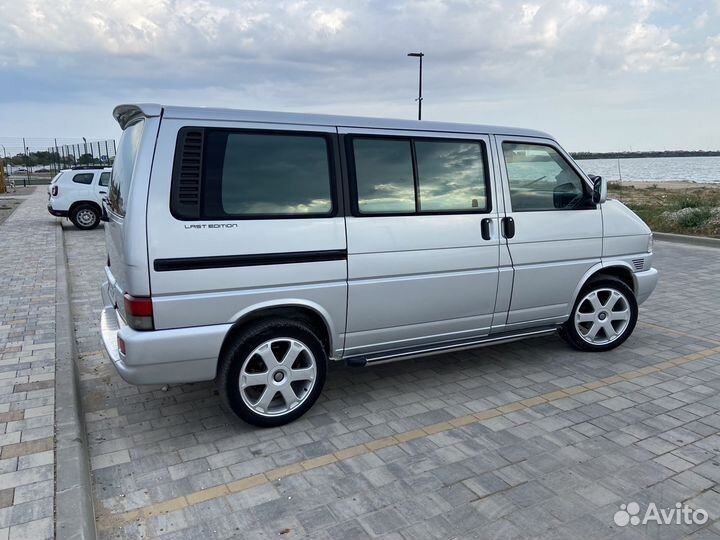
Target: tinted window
x=268 y=174
x=105 y=178
x=541 y=179
x=84 y=178
x=384 y=176
x=451 y=175
x=123 y=167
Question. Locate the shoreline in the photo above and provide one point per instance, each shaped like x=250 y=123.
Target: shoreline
x=660 y=184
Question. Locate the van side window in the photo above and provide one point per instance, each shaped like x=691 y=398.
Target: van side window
x=84 y=178
x=403 y=175
x=104 y=178
x=451 y=175
x=384 y=173
x=541 y=179
x=255 y=175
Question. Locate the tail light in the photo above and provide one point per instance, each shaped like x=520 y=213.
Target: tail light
x=139 y=312
x=54 y=191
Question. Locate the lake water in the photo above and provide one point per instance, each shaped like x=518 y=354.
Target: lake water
x=688 y=169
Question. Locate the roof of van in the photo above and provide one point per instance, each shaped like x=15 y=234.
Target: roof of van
x=125 y=113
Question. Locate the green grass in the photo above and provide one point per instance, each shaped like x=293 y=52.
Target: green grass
x=694 y=211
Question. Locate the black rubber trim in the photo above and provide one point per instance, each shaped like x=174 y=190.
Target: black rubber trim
x=262 y=259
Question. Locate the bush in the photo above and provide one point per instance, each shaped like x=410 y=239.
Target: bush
x=689 y=217
x=688 y=201
x=714 y=220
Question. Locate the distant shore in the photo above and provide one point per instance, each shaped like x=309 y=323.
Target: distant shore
x=670 y=184
x=645 y=154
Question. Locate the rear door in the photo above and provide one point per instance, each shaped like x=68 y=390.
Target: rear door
x=557 y=229
x=419 y=270
x=242 y=216
x=100 y=185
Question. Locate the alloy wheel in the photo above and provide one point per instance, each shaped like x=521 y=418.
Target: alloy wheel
x=277 y=376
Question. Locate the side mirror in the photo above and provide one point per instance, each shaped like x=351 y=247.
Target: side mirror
x=599 y=194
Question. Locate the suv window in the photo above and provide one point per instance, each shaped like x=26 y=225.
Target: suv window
x=419 y=175
x=105 y=178
x=252 y=174
x=123 y=167
x=83 y=178
x=541 y=179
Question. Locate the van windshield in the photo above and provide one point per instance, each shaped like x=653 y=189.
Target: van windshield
x=123 y=167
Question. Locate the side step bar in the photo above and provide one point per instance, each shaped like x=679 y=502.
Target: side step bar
x=452 y=346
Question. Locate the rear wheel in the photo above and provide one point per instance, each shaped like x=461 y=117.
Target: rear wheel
x=603 y=317
x=85 y=217
x=273 y=373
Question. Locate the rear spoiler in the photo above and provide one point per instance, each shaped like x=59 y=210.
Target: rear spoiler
x=126 y=114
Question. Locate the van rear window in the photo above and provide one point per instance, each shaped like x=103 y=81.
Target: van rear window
x=123 y=167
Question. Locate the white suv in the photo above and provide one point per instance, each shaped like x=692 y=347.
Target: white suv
x=77 y=194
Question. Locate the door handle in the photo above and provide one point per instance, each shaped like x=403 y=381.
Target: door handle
x=508 y=226
x=485 y=228
x=102 y=192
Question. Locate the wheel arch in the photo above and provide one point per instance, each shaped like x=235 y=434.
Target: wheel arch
x=307 y=312
x=617 y=269
x=74 y=205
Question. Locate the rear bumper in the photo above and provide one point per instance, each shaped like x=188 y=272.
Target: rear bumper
x=646 y=282
x=179 y=355
x=57 y=213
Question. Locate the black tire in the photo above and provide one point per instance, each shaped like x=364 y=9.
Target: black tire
x=234 y=357
x=569 y=331
x=85 y=217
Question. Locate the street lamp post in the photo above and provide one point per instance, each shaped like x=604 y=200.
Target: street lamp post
x=27 y=164
x=419 y=98
x=5 y=161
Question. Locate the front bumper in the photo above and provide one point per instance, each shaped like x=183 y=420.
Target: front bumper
x=645 y=284
x=179 y=355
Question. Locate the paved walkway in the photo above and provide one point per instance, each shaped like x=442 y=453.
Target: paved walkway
x=527 y=440
x=27 y=372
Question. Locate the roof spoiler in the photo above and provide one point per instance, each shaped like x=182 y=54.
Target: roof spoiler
x=126 y=114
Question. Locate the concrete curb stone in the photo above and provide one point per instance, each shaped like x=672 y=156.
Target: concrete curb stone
x=74 y=512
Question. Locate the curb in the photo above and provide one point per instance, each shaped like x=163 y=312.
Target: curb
x=74 y=513
x=688 y=239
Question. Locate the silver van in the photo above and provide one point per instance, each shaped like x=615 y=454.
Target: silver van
x=253 y=247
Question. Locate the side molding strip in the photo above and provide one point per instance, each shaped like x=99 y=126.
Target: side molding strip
x=260 y=259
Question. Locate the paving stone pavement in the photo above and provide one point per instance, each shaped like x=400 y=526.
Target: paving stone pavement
x=569 y=437
x=27 y=371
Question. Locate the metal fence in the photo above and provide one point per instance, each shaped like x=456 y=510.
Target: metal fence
x=33 y=161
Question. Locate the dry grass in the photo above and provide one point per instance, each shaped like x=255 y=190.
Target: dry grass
x=682 y=209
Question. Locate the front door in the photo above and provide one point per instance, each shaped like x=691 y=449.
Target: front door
x=557 y=229
x=420 y=271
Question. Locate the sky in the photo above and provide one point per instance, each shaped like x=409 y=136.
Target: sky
x=600 y=75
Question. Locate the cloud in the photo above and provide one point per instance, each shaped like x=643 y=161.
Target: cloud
x=482 y=56
x=712 y=53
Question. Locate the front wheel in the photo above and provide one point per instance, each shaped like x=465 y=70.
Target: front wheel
x=603 y=317
x=273 y=373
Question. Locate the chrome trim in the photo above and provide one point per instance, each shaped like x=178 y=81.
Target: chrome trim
x=457 y=347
